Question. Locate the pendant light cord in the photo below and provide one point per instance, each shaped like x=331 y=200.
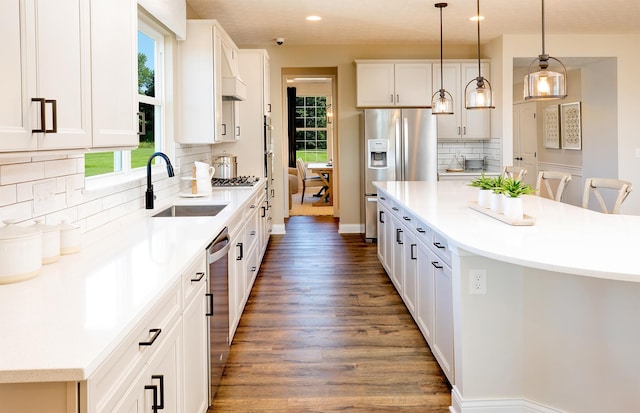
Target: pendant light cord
x=441 y=68
x=478 y=17
x=543 y=52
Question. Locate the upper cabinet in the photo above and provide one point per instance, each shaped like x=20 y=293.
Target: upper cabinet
x=207 y=76
x=45 y=99
x=464 y=124
x=385 y=84
x=50 y=51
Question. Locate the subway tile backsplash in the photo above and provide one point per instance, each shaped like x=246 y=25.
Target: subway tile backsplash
x=54 y=188
x=471 y=150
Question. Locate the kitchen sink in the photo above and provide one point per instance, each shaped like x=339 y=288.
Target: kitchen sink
x=190 y=211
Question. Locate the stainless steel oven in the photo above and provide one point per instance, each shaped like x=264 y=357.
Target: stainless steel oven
x=217 y=257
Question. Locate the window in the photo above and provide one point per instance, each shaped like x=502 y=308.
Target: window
x=150 y=109
x=311 y=128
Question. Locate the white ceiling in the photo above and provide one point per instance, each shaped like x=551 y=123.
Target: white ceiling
x=259 y=22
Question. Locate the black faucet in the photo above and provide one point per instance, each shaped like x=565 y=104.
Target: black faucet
x=149 y=197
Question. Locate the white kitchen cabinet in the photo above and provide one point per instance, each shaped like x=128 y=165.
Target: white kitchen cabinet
x=231 y=129
x=199 y=84
x=45 y=56
x=419 y=265
x=195 y=326
x=114 y=73
x=384 y=84
x=159 y=382
x=410 y=257
x=464 y=124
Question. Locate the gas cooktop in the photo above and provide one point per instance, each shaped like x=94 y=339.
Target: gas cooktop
x=237 y=181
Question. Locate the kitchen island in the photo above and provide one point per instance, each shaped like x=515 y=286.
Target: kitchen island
x=556 y=328
x=76 y=334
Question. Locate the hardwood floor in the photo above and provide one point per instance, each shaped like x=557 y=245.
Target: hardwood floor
x=325 y=331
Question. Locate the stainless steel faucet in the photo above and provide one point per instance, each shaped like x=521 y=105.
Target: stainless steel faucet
x=149 y=197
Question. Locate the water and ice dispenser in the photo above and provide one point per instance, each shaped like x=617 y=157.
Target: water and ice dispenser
x=378 y=153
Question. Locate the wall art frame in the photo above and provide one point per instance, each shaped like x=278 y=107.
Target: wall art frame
x=551 y=126
x=571 y=125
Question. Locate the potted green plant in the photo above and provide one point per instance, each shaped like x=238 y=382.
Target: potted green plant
x=485 y=188
x=496 y=194
x=512 y=190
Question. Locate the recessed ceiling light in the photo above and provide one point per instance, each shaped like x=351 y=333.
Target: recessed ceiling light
x=313 y=18
x=476 y=18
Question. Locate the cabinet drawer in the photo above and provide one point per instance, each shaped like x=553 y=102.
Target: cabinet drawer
x=423 y=232
x=129 y=357
x=441 y=247
x=193 y=278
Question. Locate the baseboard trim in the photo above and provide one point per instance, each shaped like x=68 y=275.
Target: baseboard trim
x=350 y=229
x=278 y=229
x=459 y=405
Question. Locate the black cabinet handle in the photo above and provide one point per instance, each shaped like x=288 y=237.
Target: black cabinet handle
x=438 y=245
x=383 y=198
x=156 y=332
x=200 y=275
x=210 y=311
x=264 y=212
x=153 y=388
x=43 y=115
x=238 y=133
x=395 y=208
x=413 y=257
x=241 y=256
x=420 y=230
x=161 y=378
x=252 y=206
x=436 y=264
x=380 y=214
x=398 y=232
x=406 y=218
x=224 y=129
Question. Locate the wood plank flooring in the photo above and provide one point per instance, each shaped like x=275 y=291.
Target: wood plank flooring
x=325 y=331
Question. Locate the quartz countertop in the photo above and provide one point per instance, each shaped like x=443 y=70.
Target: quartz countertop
x=564 y=238
x=60 y=325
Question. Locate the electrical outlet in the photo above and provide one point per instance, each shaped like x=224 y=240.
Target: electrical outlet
x=477 y=281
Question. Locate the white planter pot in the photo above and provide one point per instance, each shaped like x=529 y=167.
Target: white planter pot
x=484 y=198
x=496 y=202
x=513 y=208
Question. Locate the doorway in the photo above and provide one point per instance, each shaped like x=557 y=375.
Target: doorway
x=309 y=115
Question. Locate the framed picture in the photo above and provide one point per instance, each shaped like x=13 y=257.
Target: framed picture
x=571 y=125
x=551 y=125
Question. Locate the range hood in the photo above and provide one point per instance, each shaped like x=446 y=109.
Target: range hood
x=233 y=88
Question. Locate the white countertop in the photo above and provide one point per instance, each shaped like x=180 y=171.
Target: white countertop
x=565 y=238
x=60 y=325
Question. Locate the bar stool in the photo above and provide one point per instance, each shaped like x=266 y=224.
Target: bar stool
x=552 y=179
x=514 y=172
x=595 y=184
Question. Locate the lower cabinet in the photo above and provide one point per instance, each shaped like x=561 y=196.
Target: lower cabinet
x=196 y=349
x=417 y=260
x=158 y=385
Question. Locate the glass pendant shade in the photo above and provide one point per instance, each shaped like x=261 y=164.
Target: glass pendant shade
x=480 y=96
x=442 y=103
x=545 y=84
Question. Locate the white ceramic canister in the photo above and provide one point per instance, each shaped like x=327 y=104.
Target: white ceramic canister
x=20 y=252
x=50 y=241
x=70 y=238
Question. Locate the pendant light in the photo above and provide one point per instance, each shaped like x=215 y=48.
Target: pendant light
x=480 y=97
x=545 y=84
x=441 y=101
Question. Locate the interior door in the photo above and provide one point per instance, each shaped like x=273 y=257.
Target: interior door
x=525 y=139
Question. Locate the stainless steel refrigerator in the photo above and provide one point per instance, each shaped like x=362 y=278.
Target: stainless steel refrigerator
x=399 y=145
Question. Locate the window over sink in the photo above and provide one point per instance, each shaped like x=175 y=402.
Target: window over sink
x=151 y=88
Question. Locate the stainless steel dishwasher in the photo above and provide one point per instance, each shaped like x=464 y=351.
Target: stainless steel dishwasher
x=217 y=257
